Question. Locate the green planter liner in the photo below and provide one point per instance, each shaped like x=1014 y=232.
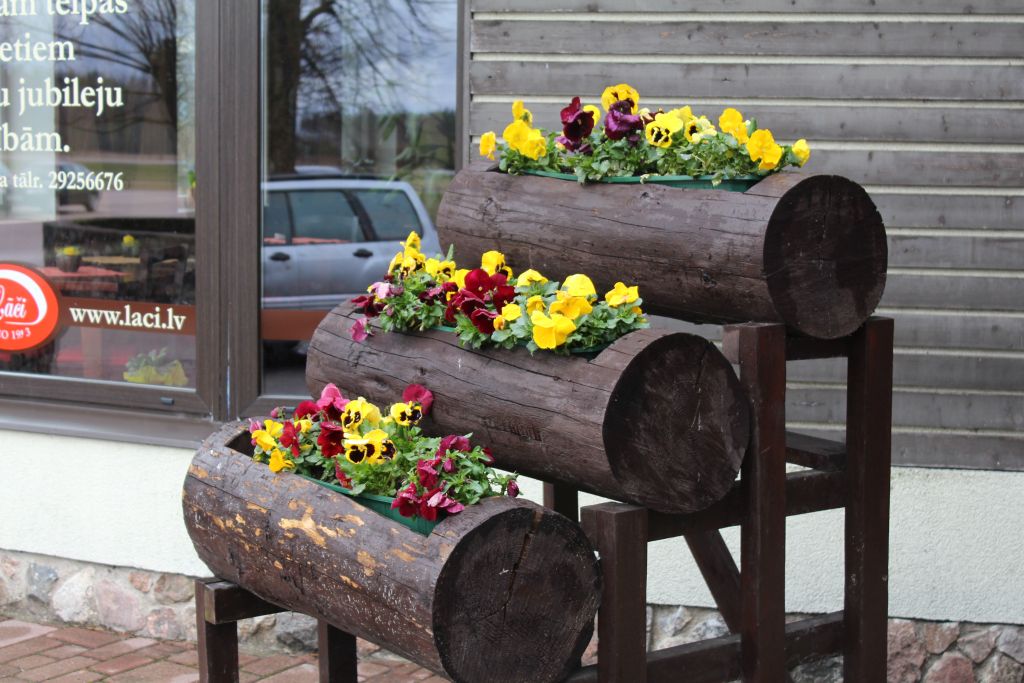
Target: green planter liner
x=382 y=506
x=686 y=182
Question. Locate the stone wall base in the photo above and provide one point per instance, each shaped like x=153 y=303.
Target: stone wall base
x=155 y=605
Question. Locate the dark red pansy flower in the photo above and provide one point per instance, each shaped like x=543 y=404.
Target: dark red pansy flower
x=620 y=123
x=478 y=282
x=432 y=294
x=418 y=393
x=576 y=123
x=407 y=502
x=502 y=295
x=368 y=305
x=483 y=320
x=331 y=402
x=513 y=489
x=441 y=501
x=290 y=437
x=488 y=454
x=306 y=409
x=331 y=439
x=340 y=475
x=426 y=470
x=427 y=511
x=453 y=442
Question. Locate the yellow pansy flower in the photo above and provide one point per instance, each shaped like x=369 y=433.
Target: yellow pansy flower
x=488 y=143
x=395 y=262
x=513 y=311
x=731 y=122
x=550 y=332
x=762 y=147
x=515 y=133
x=499 y=323
x=535 y=303
x=494 y=262
x=384 y=447
x=684 y=114
x=621 y=294
x=801 y=151
x=698 y=129
x=278 y=461
x=521 y=113
x=535 y=146
x=659 y=131
x=406 y=414
x=595 y=111
x=530 y=277
x=459 y=277
x=412 y=242
x=266 y=438
x=441 y=271
x=622 y=91
x=357 y=412
x=304 y=425
x=571 y=307
x=579 y=285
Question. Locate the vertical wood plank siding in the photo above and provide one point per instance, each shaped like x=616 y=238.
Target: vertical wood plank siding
x=922 y=102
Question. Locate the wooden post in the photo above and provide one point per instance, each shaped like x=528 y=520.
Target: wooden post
x=762 y=359
x=337 y=654
x=218 y=644
x=563 y=499
x=619 y=532
x=869 y=459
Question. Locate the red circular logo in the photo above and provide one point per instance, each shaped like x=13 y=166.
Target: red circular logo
x=28 y=308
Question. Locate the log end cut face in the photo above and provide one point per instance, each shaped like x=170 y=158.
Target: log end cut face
x=825 y=257
x=527 y=576
x=677 y=425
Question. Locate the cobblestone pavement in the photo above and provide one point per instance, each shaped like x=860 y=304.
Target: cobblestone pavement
x=38 y=652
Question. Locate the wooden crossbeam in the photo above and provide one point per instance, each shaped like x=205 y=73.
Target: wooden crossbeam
x=810 y=451
x=226 y=603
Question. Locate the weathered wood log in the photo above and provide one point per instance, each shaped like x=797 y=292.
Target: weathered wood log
x=658 y=419
x=504 y=591
x=808 y=251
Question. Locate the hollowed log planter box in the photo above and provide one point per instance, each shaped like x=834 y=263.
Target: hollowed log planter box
x=805 y=250
x=658 y=419
x=503 y=591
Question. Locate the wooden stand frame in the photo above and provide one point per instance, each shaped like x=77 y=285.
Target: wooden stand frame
x=761 y=646
x=855 y=476
x=221 y=604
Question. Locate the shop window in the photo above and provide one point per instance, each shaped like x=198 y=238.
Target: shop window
x=97 y=231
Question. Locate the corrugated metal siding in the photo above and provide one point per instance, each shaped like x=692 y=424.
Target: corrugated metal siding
x=921 y=101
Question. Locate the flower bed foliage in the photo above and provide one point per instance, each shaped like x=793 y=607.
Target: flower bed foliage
x=353 y=443
x=635 y=141
x=491 y=306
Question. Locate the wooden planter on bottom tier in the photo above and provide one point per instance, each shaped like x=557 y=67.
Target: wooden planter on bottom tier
x=658 y=418
x=503 y=591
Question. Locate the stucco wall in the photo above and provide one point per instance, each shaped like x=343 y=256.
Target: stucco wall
x=957 y=546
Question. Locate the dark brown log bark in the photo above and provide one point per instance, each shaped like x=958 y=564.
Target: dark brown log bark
x=809 y=251
x=657 y=419
x=503 y=591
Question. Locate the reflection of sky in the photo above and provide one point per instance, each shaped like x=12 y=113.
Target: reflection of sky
x=423 y=72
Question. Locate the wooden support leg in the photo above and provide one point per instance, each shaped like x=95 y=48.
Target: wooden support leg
x=337 y=653
x=762 y=359
x=869 y=459
x=218 y=644
x=619 y=532
x=563 y=499
x=720 y=573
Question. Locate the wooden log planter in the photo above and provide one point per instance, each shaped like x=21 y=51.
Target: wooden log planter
x=503 y=591
x=806 y=250
x=658 y=419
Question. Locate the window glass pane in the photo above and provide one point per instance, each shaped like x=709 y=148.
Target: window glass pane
x=276 y=220
x=391 y=213
x=324 y=216
x=359 y=104
x=97 y=235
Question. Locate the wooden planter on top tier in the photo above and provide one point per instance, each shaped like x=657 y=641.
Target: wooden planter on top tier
x=658 y=419
x=505 y=591
x=805 y=250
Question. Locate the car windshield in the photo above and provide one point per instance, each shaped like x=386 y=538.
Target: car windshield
x=391 y=212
